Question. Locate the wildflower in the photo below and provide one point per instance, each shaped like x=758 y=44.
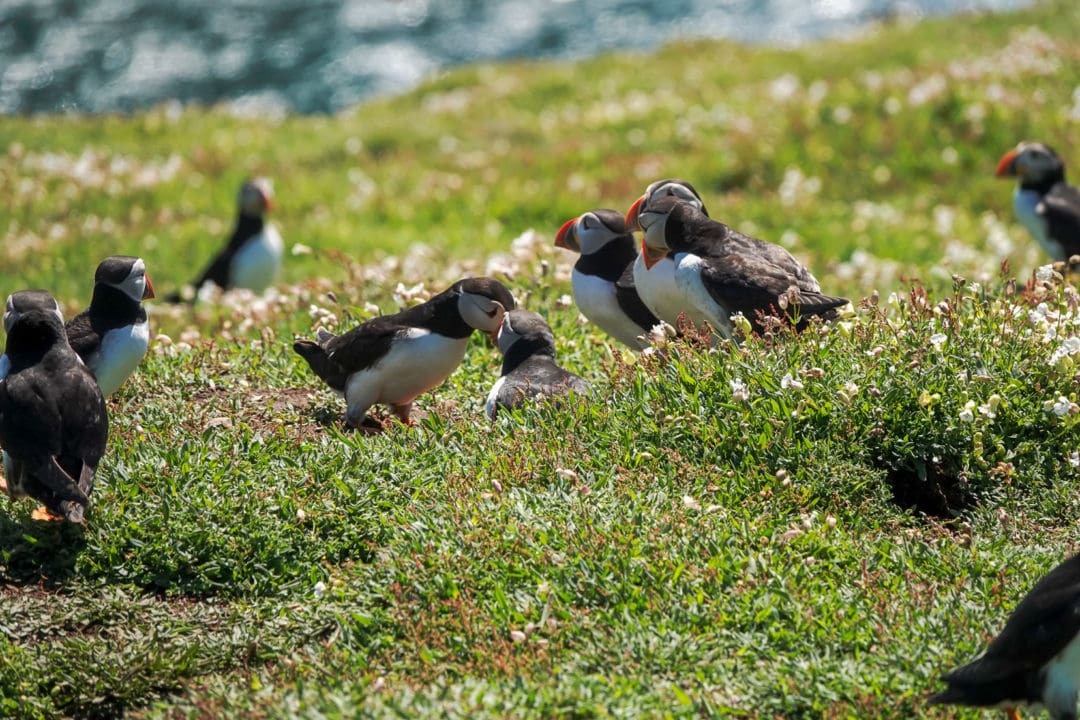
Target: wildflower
x=789 y=382
x=938 y=340
x=564 y=302
x=739 y=392
x=968 y=413
x=320 y=590
x=740 y=323
x=517 y=636
x=1074 y=458
x=690 y=503
x=1045 y=273
x=848 y=392
x=989 y=409
x=1060 y=407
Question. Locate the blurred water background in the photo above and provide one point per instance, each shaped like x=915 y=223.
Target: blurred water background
x=318 y=56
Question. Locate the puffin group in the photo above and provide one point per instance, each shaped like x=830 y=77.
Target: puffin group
x=688 y=269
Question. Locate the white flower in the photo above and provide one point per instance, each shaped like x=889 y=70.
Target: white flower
x=989 y=409
x=1045 y=273
x=690 y=503
x=848 y=392
x=938 y=340
x=1059 y=407
x=1074 y=459
x=968 y=413
x=517 y=636
x=739 y=392
x=788 y=381
x=564 y=301
x=320 y=590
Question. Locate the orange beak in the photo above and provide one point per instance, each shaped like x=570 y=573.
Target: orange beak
x=566 y=238
x=651 y=255
x=1006 y=166
x=148 y=291
x=632 y=223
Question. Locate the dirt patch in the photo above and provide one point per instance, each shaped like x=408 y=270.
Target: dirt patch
x=934 y=492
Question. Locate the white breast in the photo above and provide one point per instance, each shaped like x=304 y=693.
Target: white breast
x=256 y=264
x=121 y=352
x=1062 y=679
x=492 y=405
x=595 y=297
x=418 y=361
x=688 y=269
x=658 y=290
x=1026 y=203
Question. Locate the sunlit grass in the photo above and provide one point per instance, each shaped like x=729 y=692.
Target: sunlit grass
x=798 y=527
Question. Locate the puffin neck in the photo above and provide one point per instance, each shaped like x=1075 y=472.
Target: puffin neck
x=30 y=340
x=524 y=349
x=608 y=262
x=1044 y=184
x=115 y=305
x=248 y=226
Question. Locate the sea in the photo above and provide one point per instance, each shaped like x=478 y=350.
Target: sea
x=321 y=56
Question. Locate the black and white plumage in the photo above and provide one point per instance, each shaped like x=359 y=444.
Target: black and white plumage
x=111 y=336
x=393 y=359
x=252 y=257
x=603 y=277
x=1044 y=203
x=655 y=282
x=720 y=272
x=1036 y=658
x=53 y=421
x=529 y=369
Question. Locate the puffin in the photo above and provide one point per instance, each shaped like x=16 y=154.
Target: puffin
x=1035 y=659
x=529 y=370
x=111 y=336
x=53 y=421
x=655 y=283
x=252 y=257
x=395 y=358
x=1044 y=203
x=720 y=272
x=603 y=276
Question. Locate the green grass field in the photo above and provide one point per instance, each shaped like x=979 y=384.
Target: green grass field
x=811 y=526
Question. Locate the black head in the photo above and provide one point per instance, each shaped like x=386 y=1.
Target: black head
x=127 y=274
x=482 y=302
x=591 y=231
x=676 y=188
x=527 y=327
x=256 y=197
x=33 y=322
x=1034 y=163
x=26 y=301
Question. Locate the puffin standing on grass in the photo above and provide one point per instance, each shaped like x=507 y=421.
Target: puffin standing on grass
x=529 y=369
x=395 y=358
x=252 y=257
x=655 y=283
x=1035 y=659
x=720 y=272
x=1045 y=204
x=603 y=277
x=53 y=421
x=111 y=336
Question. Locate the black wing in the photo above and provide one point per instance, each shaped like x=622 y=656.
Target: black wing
x=539 y=377
x=784 y=262
x=82 y=336
x=1061 y=209
x=626 y=295
x=1045 y=621
x=748 y=284
x=365 y=345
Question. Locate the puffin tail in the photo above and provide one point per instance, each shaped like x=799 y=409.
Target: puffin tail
x=320 y=363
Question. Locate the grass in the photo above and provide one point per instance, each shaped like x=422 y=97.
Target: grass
x=811 y=526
